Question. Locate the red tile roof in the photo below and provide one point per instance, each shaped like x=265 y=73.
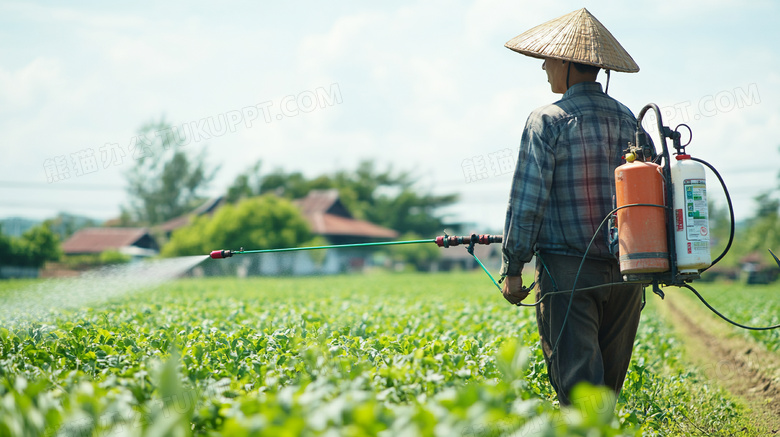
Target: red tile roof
x=331 y=224
x=328 y=216
x=322 y=201
x=96 y=240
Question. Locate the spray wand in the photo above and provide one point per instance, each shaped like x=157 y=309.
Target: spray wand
x=444 y=241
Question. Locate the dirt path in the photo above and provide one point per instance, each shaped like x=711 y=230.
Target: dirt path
x=739 y=365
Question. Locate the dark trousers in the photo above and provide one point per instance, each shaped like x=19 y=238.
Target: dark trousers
x=598 y=337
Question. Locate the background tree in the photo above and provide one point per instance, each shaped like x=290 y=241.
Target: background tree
x=164 y=182
x=759 y=232
x=263 y=222
x=6 y=251
x=246 y=184
x=42 y=245
x=720 y=228
x=418 y=255
x=36 y=246
x=290 y=185
x=113 y=257
x=392 y=199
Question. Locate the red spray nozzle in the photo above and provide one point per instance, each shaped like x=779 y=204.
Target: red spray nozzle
x=217 y=254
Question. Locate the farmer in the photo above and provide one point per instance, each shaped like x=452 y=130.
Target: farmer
x=562 y=189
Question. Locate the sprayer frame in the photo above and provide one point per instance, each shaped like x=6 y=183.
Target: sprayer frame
x=671 y=277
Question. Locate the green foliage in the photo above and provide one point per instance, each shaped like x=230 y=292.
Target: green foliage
x=754 y=305
x=42 y=245
x=113 y=257
x=318 y=256
x=759 y=233
x=84 y=261
x=245 y=185
x=352 y=355
x=664 y=395
x=81 y=261
x=720 y=226
x=418 y=255
x=6 y=250
x=36 y=246
x=260 y=223
x=291 y=185
x=165 y=182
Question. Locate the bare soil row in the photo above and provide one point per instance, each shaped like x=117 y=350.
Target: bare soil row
x=742 y=367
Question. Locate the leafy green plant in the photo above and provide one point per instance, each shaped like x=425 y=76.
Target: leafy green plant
x=347 y=355
x=753 y=305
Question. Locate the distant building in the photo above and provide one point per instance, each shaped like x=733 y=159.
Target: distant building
x=136 y=242
x=329 y=218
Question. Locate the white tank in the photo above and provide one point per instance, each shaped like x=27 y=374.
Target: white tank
x=691 y=217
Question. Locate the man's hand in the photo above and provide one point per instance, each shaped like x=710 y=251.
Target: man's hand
x=513 y=289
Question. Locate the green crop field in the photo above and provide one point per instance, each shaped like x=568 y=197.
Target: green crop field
x=752 y=305
x=383 y=354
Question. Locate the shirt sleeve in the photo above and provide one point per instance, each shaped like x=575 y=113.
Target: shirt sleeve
x=528 y=198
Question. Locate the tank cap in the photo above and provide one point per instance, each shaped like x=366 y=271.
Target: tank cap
x=682 y=156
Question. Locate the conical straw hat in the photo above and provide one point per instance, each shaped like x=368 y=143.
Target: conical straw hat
x=577 y=37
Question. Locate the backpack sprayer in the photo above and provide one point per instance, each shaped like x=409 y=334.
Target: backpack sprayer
x=659 y=226
x=661 y=223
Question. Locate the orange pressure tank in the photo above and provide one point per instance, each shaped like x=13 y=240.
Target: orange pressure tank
x=641 y=229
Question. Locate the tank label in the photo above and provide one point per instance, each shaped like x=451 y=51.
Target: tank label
x=696 y=222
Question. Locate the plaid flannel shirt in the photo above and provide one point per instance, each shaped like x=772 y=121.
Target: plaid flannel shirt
x=563 y=184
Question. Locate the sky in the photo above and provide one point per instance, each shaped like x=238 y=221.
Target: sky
x=314 y=87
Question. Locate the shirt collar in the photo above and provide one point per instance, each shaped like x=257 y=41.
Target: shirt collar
x=583 y=87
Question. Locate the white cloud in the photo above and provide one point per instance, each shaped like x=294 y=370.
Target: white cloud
x=29 y=85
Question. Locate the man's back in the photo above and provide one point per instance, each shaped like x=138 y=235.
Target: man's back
x=565 y=172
